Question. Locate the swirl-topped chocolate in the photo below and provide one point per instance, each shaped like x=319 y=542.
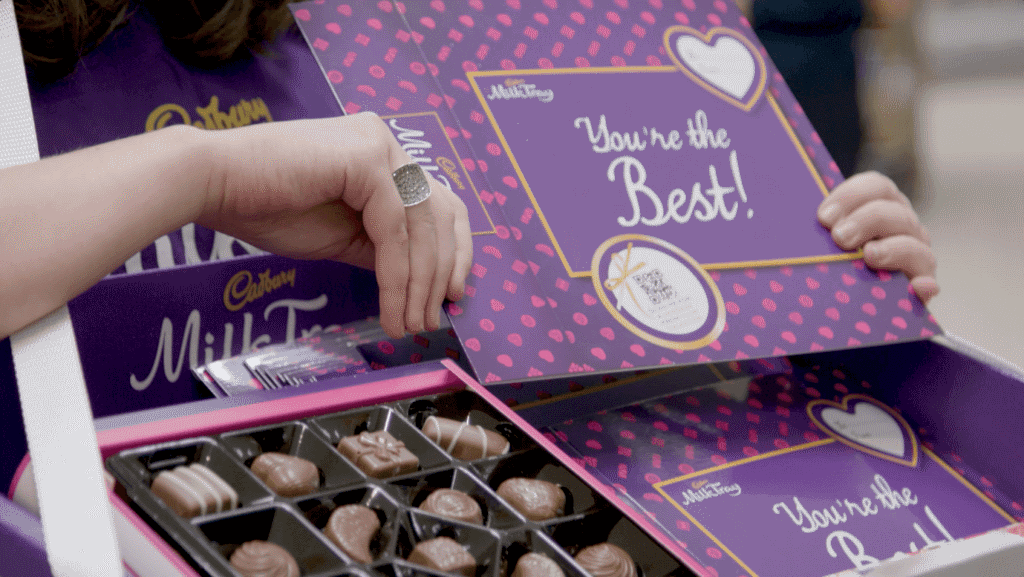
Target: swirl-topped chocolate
x=537 y=500
x=264 y=559
x=537 y=565
x=378 y=454
x=606 y=560
x=444 y=554
x=453 y=505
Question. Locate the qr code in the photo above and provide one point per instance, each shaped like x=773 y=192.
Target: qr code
x=654 y=285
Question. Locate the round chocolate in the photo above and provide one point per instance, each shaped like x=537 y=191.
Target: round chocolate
x=287 y=475
x=606 y=560
x=351 y=528
x=537 y=500
x=537 y=565
x=264 y=559
x=444 y=554
x=453 y=505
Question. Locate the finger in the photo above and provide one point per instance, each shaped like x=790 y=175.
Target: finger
x=385 y=221
x=925 y=287
x=903 y=253
x=878 y=219
x=463 y=252
x=445 y=215
x=856 y=191
x=423 y=254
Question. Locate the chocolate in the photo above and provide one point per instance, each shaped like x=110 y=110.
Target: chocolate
x=194 y=490
x=453 y=505
x=464 y=441
x=351 y=528
x=537 y=565
x=537 y=500
x=443 y=554
x=378 y=454
x=606 y=560
x=264 y=559
x=287 y=475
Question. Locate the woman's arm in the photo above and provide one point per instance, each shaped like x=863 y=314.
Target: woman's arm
x=67 y=221
x=316 y=189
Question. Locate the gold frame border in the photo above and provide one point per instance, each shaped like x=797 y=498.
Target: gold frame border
x=473 y=75
x=659 y=487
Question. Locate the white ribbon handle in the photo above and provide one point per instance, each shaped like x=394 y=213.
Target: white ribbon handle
x=77 y=524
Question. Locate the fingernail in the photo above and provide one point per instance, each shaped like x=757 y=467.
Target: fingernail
x=843 y=234
x=828 y=214
x=871 y=252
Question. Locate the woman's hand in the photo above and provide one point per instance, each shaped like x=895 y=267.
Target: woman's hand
x=869 y=211
x=323 y=189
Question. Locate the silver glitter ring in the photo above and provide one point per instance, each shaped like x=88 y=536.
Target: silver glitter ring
x=412 y=184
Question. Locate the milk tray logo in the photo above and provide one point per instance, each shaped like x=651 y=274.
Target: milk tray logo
x=703 y=490
x=519 y=89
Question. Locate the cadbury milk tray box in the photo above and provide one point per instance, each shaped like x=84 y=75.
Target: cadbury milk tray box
x=196 y=483
x=652 y=185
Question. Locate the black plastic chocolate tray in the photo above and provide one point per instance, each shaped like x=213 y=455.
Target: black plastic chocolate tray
x=296 y=524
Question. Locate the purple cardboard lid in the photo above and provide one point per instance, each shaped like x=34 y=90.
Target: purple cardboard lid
x=651 y=181
x=843 y=460
x=21 y=541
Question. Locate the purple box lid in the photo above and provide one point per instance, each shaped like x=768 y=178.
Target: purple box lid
x=651 y=181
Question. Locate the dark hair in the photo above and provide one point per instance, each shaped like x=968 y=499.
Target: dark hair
x=55 y=34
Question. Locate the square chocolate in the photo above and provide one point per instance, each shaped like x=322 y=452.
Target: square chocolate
x=378 y=454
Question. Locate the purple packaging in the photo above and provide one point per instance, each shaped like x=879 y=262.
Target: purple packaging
x=651 y=181
x=844 y=461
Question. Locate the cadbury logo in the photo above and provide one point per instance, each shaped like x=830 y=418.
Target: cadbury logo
x=243 y=288
x=211 y=117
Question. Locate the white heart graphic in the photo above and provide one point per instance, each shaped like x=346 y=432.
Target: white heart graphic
x=868 y=426
x=728 y=64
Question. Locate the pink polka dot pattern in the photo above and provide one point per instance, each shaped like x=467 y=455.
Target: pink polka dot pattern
x=380 y=64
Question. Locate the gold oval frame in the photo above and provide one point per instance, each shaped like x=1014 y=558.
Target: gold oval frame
x=595 y=276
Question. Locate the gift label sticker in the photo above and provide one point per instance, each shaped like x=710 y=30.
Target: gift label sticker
x=658 y=292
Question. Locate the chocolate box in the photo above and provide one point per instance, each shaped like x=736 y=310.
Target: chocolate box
x=663 y=452
x=225 y=434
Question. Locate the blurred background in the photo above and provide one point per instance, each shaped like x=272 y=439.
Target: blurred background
x=942 y=96
x=939 y=107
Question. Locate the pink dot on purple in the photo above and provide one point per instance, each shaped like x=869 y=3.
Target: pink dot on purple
x=334 y=76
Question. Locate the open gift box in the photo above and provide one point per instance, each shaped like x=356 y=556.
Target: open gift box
x=806 y=464
x=227 y=434
x=732 y=469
